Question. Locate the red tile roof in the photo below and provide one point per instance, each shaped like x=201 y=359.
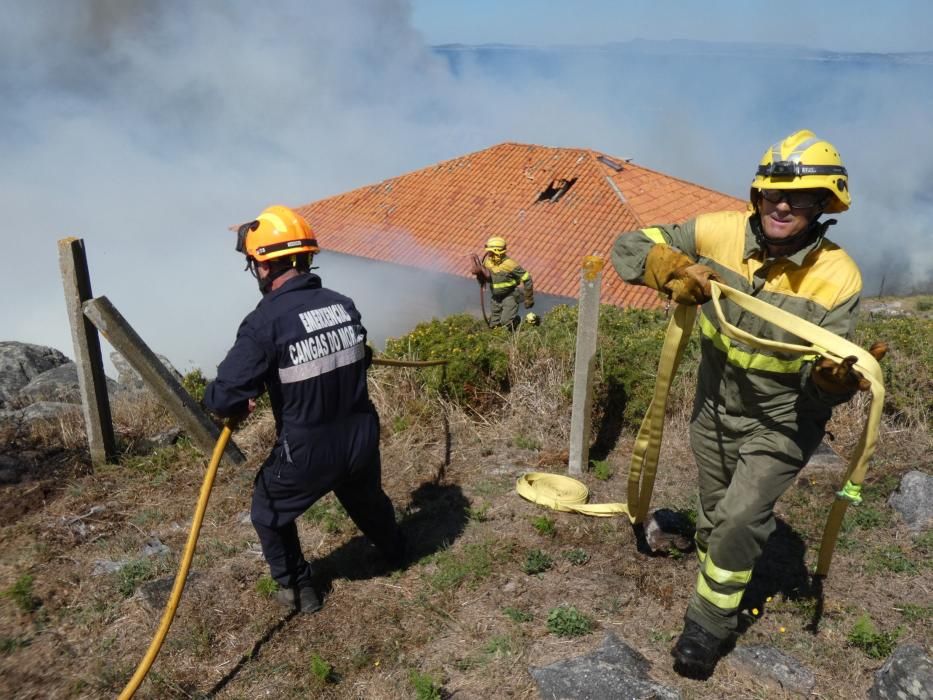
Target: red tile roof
x=438 y=216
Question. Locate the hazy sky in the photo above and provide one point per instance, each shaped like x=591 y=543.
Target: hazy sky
x=147 y=127
x=857 y=25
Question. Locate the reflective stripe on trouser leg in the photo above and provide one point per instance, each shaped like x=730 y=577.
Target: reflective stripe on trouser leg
x=743 y=518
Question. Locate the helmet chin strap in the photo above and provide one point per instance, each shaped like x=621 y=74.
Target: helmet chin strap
x=264 y=283
x=812 y=231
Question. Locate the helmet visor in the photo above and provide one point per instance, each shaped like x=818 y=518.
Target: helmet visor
x=242 y=233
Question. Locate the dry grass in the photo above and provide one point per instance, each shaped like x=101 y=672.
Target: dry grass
x=464 y=613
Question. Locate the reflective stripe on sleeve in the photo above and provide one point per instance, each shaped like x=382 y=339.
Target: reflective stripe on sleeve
x=654 y=233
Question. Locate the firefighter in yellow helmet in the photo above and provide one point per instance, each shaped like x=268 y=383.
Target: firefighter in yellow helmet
x=505 y=275
x=758 y=416
x=306 y=346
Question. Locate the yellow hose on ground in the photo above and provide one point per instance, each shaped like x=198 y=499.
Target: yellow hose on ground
x=169 y=614
x=566 y=494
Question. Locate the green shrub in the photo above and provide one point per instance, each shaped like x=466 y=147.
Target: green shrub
x=471 y=566
x=526 y=443
x=890 y=558
x=537 y=562
x=194 y=383
x=875 y=644
x=478 y=373
x=577 y=557
x=517 y=614
x=321 y=670
x=266 y=586
x=477 y=368
x=425 y=686
x=134 y=573
x=329 y=515
x=916 y=613
x=544 y=525
x=21 y=593
x=907 y=367
x=8 y=645
x=601 y=469
x=567 y=621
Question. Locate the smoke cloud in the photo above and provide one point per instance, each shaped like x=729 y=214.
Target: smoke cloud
x=148 y=127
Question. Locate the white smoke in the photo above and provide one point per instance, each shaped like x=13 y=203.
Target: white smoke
x=147 y=128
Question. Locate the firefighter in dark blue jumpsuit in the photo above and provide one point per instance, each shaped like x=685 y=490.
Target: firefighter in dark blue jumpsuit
x=306 y=346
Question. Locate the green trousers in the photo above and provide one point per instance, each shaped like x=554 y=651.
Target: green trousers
x=745 y=464
x=505 y=310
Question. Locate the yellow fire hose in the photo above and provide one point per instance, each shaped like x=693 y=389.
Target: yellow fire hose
x=169 y=614
x=566 y=494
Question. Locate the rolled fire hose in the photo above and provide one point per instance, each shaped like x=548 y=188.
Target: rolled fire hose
x=169 y=613
x=566 y=494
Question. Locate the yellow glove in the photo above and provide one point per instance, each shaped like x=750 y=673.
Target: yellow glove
x=661 y=263
x=670 y=271
x=690 y=285
x=839 y=377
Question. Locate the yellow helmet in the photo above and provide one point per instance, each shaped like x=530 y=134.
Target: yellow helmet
x=496 y=245
x=803 y=161
x=277 y=232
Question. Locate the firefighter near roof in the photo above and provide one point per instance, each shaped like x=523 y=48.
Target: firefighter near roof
x=507 y=281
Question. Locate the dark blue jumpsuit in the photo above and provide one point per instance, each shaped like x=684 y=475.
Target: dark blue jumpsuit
x=306 y=345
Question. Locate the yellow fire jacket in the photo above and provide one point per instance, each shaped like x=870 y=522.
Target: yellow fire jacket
x=819 y=283
x=506 y=276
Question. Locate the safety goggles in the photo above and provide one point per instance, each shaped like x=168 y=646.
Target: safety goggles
x=796 y=199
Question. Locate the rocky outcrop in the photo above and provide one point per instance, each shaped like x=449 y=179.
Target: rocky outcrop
x=129 y=378
x=907 y=675
x=913 y=500
x=773 y=667
x=20 y=363
x=614 y=670
x=60 y=385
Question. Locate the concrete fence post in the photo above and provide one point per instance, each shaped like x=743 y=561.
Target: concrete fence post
x=591 y=276
x=92 y=383
x=193 y=419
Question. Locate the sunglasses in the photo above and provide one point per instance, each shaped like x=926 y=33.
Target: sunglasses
x=796 y=199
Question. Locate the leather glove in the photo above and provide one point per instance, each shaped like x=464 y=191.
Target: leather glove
x=529 y=300
x=689 y=285
x=661 y=263
x=676 y=274
x=839 y=377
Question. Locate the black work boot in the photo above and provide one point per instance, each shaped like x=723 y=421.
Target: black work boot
x=696 y=651
x=304 y=598
x=398 y=557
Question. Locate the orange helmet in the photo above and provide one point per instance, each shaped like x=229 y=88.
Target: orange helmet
x=276 y=233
